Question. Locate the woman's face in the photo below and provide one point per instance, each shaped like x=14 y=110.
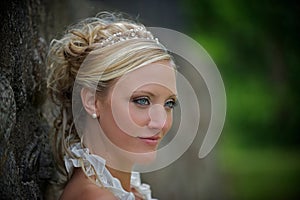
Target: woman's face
x=137 y=112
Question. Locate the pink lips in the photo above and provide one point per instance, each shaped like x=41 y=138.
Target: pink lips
x=150 y=140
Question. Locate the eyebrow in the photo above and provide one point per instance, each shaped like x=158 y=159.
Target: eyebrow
x=152 y=94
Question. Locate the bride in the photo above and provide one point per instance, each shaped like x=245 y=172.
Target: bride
x=115 y=86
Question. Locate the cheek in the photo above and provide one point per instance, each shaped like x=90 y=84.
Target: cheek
x=139 y=116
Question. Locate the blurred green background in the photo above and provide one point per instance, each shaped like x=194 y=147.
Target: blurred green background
x=255 y=45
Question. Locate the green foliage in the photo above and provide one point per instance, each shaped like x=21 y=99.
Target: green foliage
x=256 y=47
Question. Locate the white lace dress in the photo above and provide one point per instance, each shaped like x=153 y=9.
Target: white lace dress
x=107 y=180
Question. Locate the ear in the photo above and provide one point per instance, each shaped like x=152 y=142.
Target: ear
x=89 y=101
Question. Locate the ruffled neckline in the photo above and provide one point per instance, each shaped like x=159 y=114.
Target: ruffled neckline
x=94 y=163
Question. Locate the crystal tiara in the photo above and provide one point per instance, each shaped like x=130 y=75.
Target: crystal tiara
x=130 y=34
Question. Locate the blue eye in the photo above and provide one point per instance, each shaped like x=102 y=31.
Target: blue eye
x=170 y=104
x=143 y=101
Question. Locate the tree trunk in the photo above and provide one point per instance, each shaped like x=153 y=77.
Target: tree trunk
x=25 y=158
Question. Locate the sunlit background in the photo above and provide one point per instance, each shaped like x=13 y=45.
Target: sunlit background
x=255 y=45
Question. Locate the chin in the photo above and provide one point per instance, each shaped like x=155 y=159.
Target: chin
x=144 y=158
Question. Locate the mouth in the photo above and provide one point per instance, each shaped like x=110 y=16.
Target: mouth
x=153 y=140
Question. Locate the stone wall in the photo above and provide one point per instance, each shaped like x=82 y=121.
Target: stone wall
x=25 y=158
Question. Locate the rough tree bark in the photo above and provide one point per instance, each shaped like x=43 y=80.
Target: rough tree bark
x=25 y=161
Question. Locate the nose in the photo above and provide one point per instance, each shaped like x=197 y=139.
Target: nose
x=158 y=117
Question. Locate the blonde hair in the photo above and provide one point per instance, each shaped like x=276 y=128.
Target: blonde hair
x=68 y=54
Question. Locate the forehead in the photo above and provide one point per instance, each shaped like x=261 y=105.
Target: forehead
x=159 y=73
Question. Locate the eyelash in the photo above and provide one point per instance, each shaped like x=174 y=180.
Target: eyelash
x=139 y=99
x=174 y=104
x=146 y=102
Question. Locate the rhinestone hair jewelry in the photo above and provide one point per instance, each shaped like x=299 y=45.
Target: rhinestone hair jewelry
x=136 y=33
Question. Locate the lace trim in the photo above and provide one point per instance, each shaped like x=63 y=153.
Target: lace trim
x=106 y=179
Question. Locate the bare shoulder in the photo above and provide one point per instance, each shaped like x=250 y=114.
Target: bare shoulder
x=88 y=192
x=93 y=192
x=80 y=187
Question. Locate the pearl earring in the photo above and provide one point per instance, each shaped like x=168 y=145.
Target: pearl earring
x=94 y=115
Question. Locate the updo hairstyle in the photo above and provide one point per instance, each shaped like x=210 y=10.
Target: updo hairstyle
x=110 y=60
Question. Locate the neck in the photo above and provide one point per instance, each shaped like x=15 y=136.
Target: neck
x=124 y=177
